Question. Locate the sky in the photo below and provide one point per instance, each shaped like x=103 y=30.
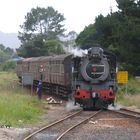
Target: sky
x=78 y=13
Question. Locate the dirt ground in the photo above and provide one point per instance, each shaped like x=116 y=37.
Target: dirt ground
x=55 y=111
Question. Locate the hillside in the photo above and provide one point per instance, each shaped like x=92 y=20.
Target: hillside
x=9 y=40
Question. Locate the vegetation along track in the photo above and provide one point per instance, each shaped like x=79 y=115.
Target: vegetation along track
x=58 y=129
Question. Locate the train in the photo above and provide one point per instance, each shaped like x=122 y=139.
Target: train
x=89 y=79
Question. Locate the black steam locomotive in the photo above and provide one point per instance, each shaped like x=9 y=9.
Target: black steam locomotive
x=94 y=79
x=90 y=79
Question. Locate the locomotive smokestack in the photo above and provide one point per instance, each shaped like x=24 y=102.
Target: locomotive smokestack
x=95 y=53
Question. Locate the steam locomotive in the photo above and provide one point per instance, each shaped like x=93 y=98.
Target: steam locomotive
x=90 y=79
x=95 y=79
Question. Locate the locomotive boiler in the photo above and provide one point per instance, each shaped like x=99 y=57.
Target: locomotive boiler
x=90 y=79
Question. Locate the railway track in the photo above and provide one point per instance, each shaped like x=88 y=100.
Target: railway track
x=108 y=125
x=58 y=129
x=127 y=112
x=71 y=128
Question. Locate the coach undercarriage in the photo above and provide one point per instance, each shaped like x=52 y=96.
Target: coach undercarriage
x=55 y=89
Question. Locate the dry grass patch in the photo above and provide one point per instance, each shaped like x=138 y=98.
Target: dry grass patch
x=131 y=100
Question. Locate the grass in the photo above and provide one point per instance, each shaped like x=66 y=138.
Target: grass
x=130 y=100
x=17 y=106
x=132 y=97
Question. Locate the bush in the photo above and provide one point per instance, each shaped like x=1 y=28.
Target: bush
x=132 y=87
x=8 y=65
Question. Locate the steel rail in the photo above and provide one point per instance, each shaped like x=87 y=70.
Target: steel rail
x=65 y=132
x=131 y=111
x=52 y=124
x=128 y=112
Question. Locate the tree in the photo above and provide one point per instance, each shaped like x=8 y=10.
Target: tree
x=41 y=25
x=3 y=56
x=69 y=40
x=119 y=32
x=129 y=7
x=8 y=65
x=2 y=47
x=54 y=47
x=87 y=36
x=33 y=48
x=6 y=56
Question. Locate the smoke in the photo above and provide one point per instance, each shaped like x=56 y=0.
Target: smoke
x=70 y=106
x=78 y=52
x=115 y=107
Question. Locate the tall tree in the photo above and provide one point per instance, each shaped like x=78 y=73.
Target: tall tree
x=87 y=36
x=118 y=31
x=69 y=40
x=129 y=7
x=2 y=47
x=40 y=26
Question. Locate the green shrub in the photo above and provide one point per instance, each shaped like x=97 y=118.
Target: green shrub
x=8 y=65
x=133 y=87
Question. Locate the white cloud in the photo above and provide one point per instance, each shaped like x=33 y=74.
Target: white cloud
x=78 y=13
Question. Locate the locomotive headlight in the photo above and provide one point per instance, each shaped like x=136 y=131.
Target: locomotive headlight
x=95 y=94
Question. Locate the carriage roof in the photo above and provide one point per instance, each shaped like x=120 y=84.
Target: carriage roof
x=47 y=58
